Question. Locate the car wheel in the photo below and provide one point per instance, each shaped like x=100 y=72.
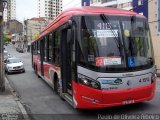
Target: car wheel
x=7 y=72
x=24 y=71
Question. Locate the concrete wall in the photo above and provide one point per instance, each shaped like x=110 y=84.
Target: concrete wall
x=153 y=22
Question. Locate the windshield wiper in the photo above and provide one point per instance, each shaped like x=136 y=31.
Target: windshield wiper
x=118 y=42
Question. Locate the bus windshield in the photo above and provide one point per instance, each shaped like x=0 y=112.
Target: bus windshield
x=113 y=43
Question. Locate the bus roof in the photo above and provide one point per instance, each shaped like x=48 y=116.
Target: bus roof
x=67 y=14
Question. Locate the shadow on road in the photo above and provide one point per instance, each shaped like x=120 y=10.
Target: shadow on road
x=117 y=110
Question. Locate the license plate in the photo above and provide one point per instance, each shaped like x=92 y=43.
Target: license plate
x=126 y=102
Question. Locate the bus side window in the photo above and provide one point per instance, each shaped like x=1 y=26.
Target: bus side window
x=38 y=47
x=46 y=48
x=43 y=44
x=53 y=49
x=50 y=48
x=35 y=48
x=56 y=48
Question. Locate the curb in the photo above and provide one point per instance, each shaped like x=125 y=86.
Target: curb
x=21 y=107
x=24 y=112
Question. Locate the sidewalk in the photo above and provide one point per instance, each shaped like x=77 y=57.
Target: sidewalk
x=10 y=106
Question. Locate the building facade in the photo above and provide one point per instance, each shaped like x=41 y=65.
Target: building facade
x=5 y=15
x=85 y=3
x=123 y=4
x=49 y=8
x=11 y=11
x=32 y=28
x=141 y=7
x=15 y=29
x=154 y=22
x=14 y=26
x=158 y=16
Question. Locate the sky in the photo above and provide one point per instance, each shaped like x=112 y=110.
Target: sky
x=27 y=9
x=71 y=3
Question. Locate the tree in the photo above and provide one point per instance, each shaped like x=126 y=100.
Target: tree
x=7 y=38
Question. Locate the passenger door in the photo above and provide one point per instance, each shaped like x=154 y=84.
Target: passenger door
x=66 y=69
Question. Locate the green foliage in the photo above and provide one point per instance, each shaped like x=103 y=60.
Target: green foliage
x=7 y=38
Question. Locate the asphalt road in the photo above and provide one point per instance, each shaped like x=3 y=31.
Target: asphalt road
x=42 y=103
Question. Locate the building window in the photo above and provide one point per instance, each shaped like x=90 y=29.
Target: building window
x=140 y=2
x=156 y=2
x=56 y=47
x=156 y=15
x=122 y=5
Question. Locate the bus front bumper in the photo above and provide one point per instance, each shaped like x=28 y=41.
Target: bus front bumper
x=88 y=98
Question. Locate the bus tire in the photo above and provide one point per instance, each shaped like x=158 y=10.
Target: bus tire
x=34 y=67
x=55 y=79
x=57 y=88
x=36 y=71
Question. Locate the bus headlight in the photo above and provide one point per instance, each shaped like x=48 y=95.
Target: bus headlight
x=89 y=82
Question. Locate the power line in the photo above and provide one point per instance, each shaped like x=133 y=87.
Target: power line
x=77 y=4
x=68 y=3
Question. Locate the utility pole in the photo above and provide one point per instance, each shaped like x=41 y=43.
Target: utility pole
x=2 y=80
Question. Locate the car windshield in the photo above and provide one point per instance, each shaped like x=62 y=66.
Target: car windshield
x=112 y=43
x=16 y=60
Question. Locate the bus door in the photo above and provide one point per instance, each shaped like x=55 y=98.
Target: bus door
x=66 y=61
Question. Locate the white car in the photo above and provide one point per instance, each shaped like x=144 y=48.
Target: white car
x=6 y=55
x=13 y=65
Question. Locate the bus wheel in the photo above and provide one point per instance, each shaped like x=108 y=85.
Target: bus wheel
x=59 y=90
x=55 y=82
x=36 y=71
x=57 y=87
x=33 y=66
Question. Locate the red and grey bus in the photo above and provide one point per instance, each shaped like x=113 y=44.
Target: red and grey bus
x=96 y=57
